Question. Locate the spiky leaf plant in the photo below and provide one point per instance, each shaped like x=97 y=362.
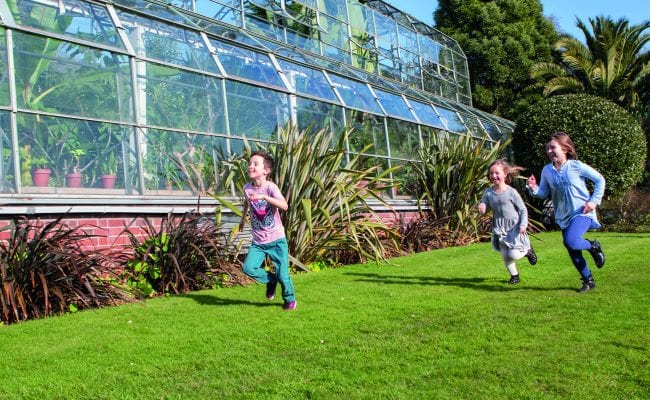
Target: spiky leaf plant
x=46 y=271
x=179 y=255
x=451 y=175
x=330 y=212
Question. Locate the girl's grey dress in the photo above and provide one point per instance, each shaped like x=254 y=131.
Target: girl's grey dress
x=509 y=213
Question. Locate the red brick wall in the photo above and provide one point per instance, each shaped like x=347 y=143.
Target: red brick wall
x=108 y=230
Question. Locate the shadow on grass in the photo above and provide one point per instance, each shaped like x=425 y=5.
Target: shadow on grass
x=213 y=300
x=469 y=283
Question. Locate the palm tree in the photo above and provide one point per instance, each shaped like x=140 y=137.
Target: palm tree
x=612 y=64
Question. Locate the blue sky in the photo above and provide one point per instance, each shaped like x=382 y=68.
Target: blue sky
x=562 y=12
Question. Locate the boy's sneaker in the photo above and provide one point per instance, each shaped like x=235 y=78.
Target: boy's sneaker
x=597 y=253
x=270 y=289
x=514 y=279
x=531 y=256
x=290 y=305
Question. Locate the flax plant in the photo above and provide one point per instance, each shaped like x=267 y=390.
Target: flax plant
x=451 y=177
x=330 y=212
x=46 y=270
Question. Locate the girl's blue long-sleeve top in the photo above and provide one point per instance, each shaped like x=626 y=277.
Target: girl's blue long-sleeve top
x=569 y=191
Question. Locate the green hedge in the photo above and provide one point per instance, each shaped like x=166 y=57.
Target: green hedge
x=606 y=137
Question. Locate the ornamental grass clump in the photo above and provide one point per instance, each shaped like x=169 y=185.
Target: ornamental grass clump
x=450 y=177
x=179 y=255
x=330 y=216
x=47 y=271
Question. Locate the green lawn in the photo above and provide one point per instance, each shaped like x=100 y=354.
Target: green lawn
x=436 y=325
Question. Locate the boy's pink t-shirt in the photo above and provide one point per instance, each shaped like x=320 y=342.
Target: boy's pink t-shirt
x=265 y=219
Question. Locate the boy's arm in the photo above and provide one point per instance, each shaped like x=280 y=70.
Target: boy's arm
x=276 y=199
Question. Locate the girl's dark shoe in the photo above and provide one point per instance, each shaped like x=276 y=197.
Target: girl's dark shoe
x=587 y=284
x=531 y=256
x=597 y=253
x=514 y=279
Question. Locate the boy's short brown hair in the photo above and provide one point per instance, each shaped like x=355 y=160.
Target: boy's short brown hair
x=268 y=158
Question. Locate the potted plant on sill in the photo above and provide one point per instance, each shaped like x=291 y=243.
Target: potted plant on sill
x=40 y=172
x=108 y=167
x=73 y=179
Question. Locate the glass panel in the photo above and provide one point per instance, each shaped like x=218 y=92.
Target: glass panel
x=319 y=115
x=4 y=82
x=337 y=32
x=304 y=41
x=452 y=120
x=429 y=48
x=66 y=146
x=181 y=99
x=164 y=42
x=247 y=64
x=405 y=177
x=72 y=79
x=256 y=20
x=153 y=9
x=308 y=81
x=224 y=11
x=7 y=173
x=474 y=126
x=336 y=53
x=355 y=94
x=366 y=129
x=446 y=58
x=403 y=137
x=460 y=64
x=426 y=114
x=390 y=68
x=448 y=90
x=302 y=18
x=386 y=32
x=394 y=105
x=73 y=18
x=492 y=130
x=407 y=39
x=412 y=72
x=361 y=20
x=308 y=3
x=335 y=8
x=183 y=162
x=270 y=111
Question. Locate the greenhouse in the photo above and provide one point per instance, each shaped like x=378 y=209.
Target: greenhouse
x=128 y=106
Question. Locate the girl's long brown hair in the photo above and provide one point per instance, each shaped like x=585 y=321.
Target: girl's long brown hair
x=565 y=142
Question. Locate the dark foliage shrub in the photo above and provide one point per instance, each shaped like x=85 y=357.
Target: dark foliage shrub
x=627 y=213
x=181 y=254
x=606 y=137
x=46 y=271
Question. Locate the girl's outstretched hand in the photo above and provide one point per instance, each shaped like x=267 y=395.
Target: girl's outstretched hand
x=481 y=208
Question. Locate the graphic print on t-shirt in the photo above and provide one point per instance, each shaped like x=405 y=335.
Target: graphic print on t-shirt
x=261 y=214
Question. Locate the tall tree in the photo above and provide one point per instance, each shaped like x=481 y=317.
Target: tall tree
x=610 y=64
x=502 y=40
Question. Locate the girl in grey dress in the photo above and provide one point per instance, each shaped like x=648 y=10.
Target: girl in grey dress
x=509 y=217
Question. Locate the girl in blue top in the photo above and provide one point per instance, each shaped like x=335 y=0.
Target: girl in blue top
x=573 y=205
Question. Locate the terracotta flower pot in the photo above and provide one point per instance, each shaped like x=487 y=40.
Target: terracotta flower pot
x=41 y=177
x=73 y=180
x=108 y=181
